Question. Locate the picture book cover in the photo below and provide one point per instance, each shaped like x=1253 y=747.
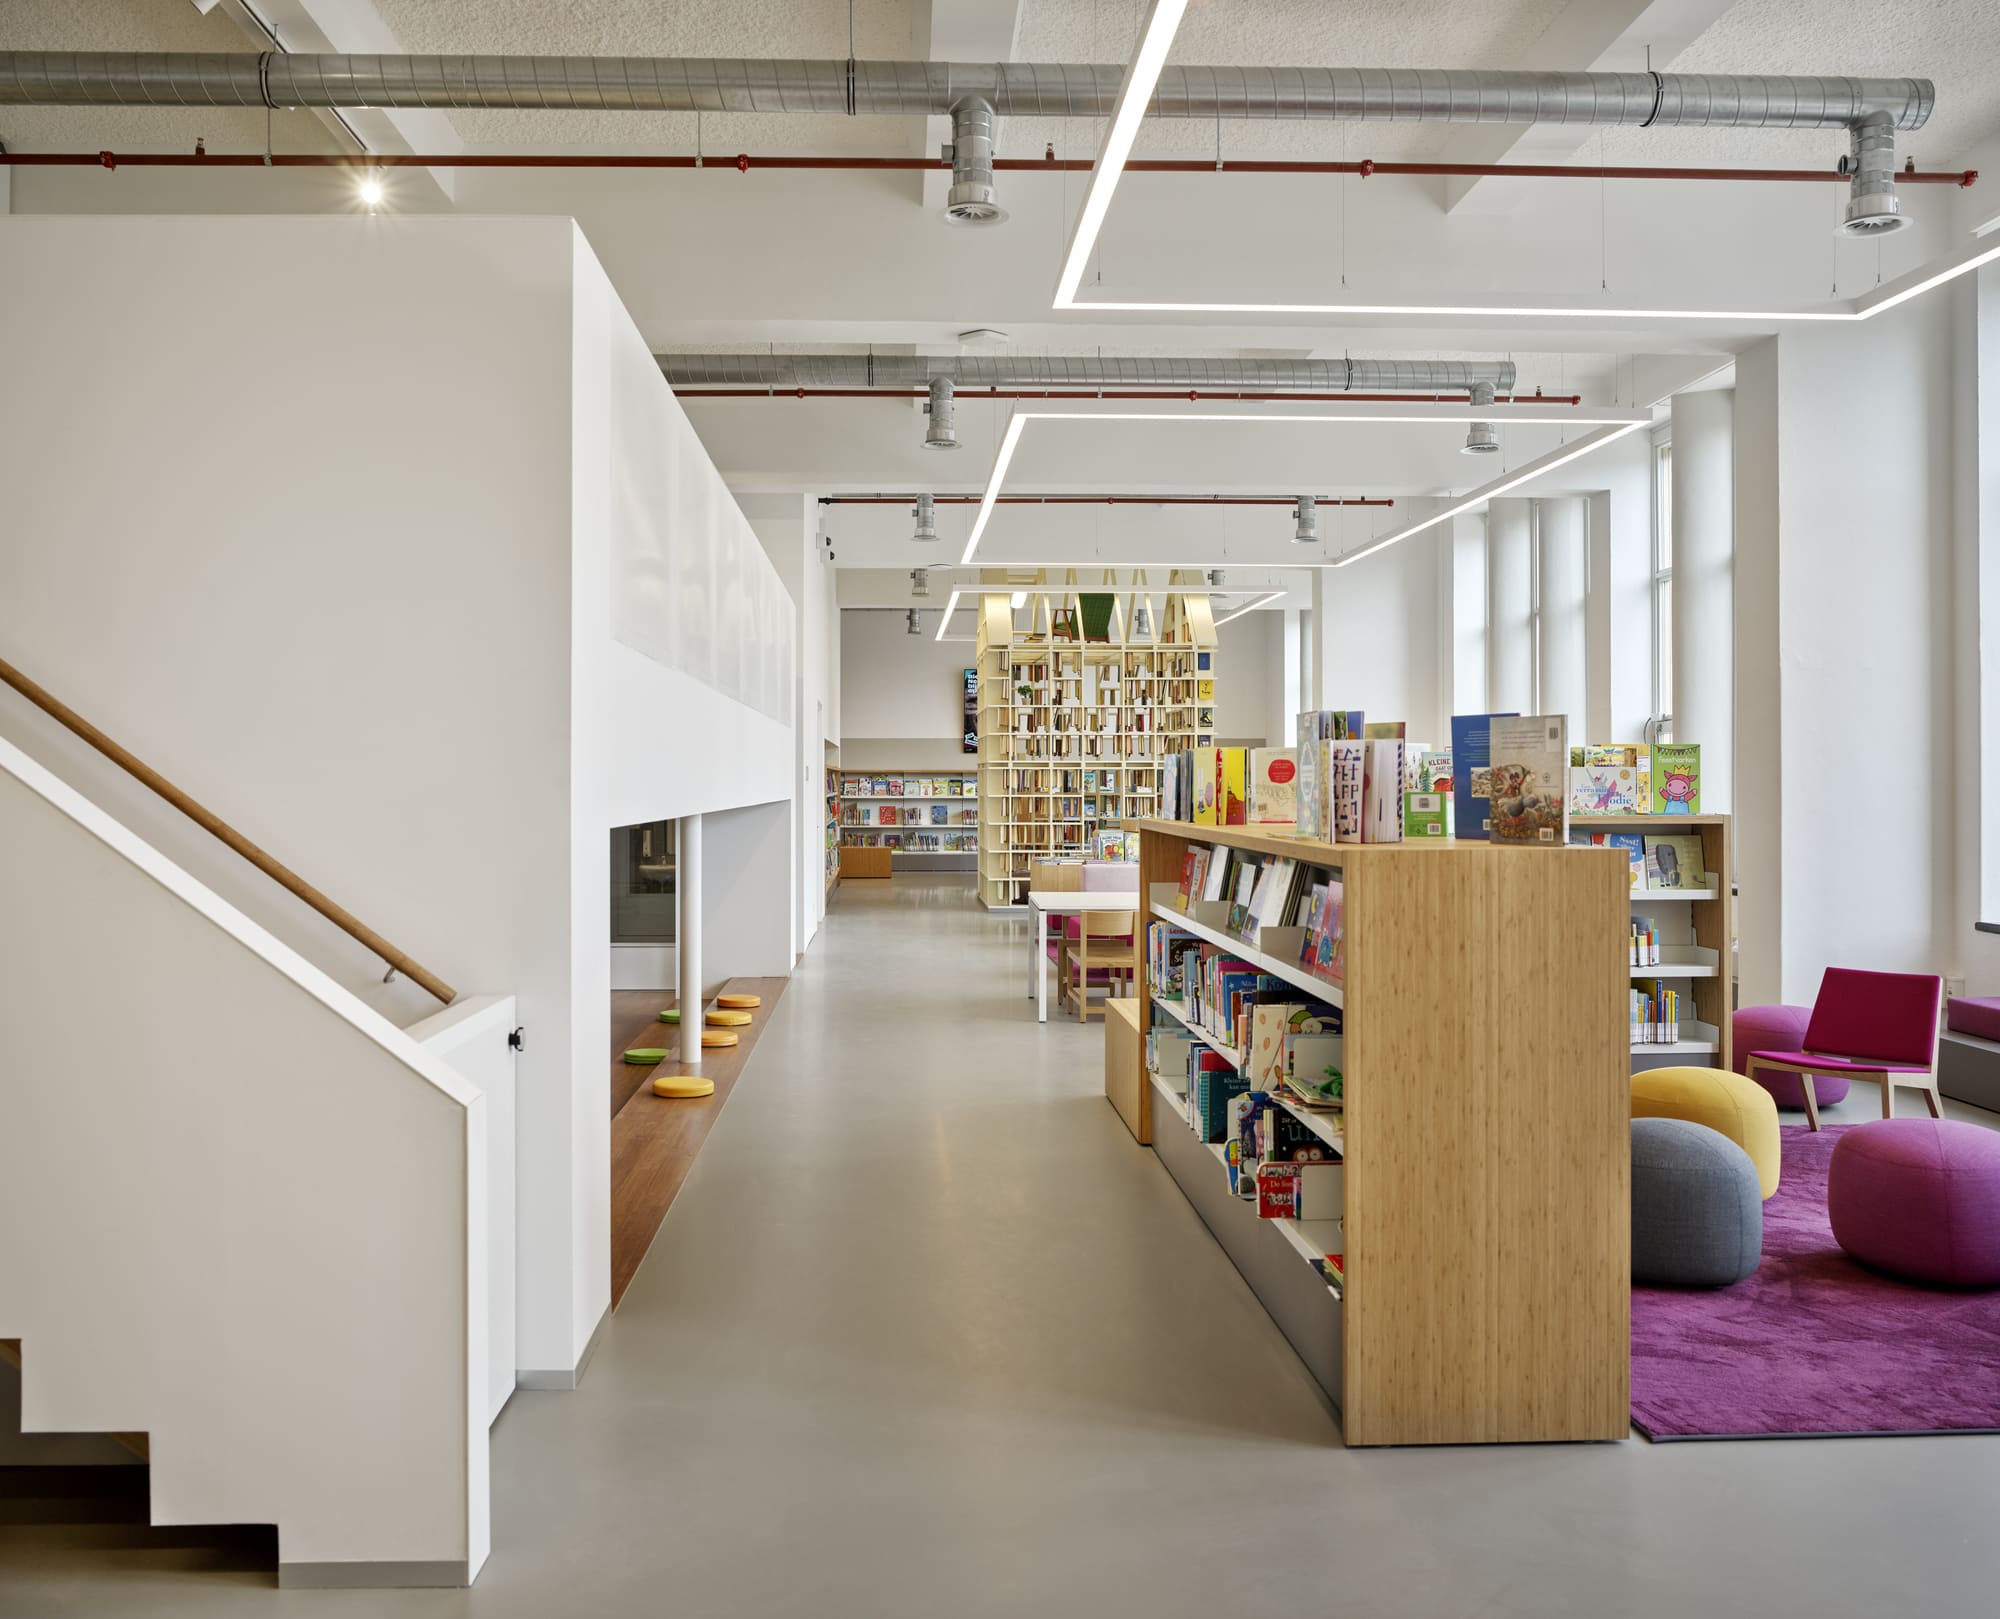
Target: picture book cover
x=1274 y=785
x=1601 y=789
x=940 y=815
x=1383 y=787
x=1235 y=787
x=1384 y=730
x=1194 y=864
x=1431 y=773
x=1288 y=1139
x=886 y=815
x=1267 y=909
x=1528 y=779
x=1239 y=901
x=1424 y=815
x=1217 y=873
x=1306 y=788
x=1347 y=769
x=1632 y=843
x=1207 y=787
x=1326 y=940
x=1472 y=775
x=1674 y=861
x=1269 y=1023
x=1676 y=778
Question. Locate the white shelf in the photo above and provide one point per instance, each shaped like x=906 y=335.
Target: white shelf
x=1329 y=1126
x=1654 y=896
x=1681 y=961
x=904 y=798
x=1697 y=1039
x=1177 y=1010
x=1290 y=971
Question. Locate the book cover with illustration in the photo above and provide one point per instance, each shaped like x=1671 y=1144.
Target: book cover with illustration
x=1601 y=789
x=1207 y=788
x=1274 y=785
x=940 y=815
x=1472 y=775
x=1528 y=780
x=1348 y=770
x=1632 y=843
x=1674 y=861
x=1382 y=787
x=1326 y=939
x=1676 y=778
x=1234 y=801
x=1307 y=795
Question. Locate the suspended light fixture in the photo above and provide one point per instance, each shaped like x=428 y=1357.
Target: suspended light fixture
x=926 y=516
x=1307 y=530
x=370 y=190
x=942 y=433
x=915 y=622
x=920 y=581
x=1481 y=438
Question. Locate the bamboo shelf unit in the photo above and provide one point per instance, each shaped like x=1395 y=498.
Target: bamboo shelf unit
x=1486 y=1217
x=1697 y=928
x=1075 y=725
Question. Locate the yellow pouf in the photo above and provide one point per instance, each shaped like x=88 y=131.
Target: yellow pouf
x=1727 y=1103
x=683 y=1085
x=740 y=1003
x=717 y=1037
x=727 y=1020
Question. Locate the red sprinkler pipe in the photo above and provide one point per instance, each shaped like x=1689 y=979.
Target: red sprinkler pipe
x=742 y=163
x=1192 y=395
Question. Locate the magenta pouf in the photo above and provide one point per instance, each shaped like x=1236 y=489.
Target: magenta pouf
x=1976 y=1015
x=1919 y=1198
x=1780 y=1028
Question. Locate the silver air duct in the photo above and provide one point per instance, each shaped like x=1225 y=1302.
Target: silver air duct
x=926 y=516
x=971 y=201
x=786 y=371
x=1307 y=529
x=1873 y=208
x=1481 y=438
x=942 y=434
x=938 y=89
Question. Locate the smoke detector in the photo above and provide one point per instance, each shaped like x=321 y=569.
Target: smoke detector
x=926 y=516
x=1307 y=529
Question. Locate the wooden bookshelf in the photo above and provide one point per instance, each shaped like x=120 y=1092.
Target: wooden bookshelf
x=921 y=844
x=1697 y=928
x=1486 y=1222
x=1074 y=732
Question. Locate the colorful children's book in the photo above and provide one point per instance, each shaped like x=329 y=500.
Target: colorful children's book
x=1674 y=861
x=1472 y=775
x=1676 y=778
x=1326 y=939
x=1631 y=842
x=1382 y=820
x=940 y=815
x=1234 y=801
x=1598 y=789
x=1528 y=779
x=1347 y=769
x=1207 y=788
x=1274 y=788
x=1306 y=797
x=1424 y=815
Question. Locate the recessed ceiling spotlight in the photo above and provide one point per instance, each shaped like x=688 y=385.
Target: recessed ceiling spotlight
x=370 y=190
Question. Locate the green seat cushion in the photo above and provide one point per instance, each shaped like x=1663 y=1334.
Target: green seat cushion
x=647 y=1056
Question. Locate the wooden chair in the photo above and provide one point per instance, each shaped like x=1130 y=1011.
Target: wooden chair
x=1104 y=945
x=1881 y=1027
x=1058 y=877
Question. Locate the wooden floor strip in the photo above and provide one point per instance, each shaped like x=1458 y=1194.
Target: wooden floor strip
x=654 y=1139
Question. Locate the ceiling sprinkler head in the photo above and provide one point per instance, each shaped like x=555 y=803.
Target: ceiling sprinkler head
x=1481 y=438
x=942 y=433
x=926 y=516
x=1307 y=530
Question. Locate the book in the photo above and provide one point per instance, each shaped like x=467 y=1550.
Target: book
x=1216 y=874
x=1234 y=767
x=1424 y=815
x=1247 y=876
x=1274 y=791
x=1382 y=820
x=1676 y=779
x=1599 y=789
x=1472 y=775
x=1528 y=779
x=1207 y=770
x=1674 y=861
x=1431 y=773
x=1347 y=769
x=1299 y=1191
x=1306 y=796
x=940 y=815
x=1326 y=944
x=1194 y=866
x=1312 y=1066
x=1632 y=843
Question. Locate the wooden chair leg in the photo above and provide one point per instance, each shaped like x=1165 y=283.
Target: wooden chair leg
x=1931 y=1099
x=1888 y=1096
x=1812 y=1101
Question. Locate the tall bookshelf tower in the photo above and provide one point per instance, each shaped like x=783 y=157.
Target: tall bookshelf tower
x=1082 y=696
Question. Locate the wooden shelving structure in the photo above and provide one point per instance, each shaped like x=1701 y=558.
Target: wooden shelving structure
x=1697 y=928
x=1077 y=719
x=1486 y=1223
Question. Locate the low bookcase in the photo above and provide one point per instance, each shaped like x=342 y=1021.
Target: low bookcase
x=1486 y=1204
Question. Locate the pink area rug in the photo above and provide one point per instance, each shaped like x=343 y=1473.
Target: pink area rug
x=1813 y=1344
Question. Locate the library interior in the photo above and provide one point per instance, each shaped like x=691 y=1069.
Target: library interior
x=1177 y=692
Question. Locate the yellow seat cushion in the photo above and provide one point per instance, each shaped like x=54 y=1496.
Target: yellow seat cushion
x=1727 y=1103
x=740 y=1002
x=726 y=1019
x=683 y=1085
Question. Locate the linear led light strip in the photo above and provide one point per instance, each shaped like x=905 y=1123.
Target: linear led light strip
x=1451 y=416
x=1248 y=607
x=1142 y=77
x=1480 y=496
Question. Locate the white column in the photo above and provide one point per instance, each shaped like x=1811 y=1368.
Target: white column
x=1292 y=682
x=1758 y=790
x=687 y=940
x=1316 y=638
x=1704 y=541
x=1561 y=539
x=1510 y=603
x=1466 y=558
x=1618 y=688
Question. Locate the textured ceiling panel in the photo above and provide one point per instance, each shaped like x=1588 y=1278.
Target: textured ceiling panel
x=137 y=25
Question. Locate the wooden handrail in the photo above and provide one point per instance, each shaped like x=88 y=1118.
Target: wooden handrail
x=349 y=924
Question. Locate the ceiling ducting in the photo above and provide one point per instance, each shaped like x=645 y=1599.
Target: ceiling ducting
x=781 y=372
x=972 y=95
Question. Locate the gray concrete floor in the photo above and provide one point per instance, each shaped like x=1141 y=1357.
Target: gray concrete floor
x=927 y=1334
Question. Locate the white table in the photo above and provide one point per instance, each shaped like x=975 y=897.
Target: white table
x=1066 y=902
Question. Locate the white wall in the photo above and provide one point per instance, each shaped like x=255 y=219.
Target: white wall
x=1510 y=601
x=1563 y=561
x=1376 y=623
x=1620 y=638
x=1976 y=597
x=902 y=702
x=1704 y=482
x=387 y=656
x=1251 y=704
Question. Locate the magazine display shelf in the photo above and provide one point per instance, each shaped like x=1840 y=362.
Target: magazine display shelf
x=1697 y=929
x=883 y=849
x=1486 y=1221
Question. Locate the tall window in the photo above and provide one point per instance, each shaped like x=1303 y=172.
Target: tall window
x=1663 y=591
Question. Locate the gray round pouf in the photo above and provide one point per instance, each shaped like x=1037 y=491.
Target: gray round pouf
x=1697 y=1210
